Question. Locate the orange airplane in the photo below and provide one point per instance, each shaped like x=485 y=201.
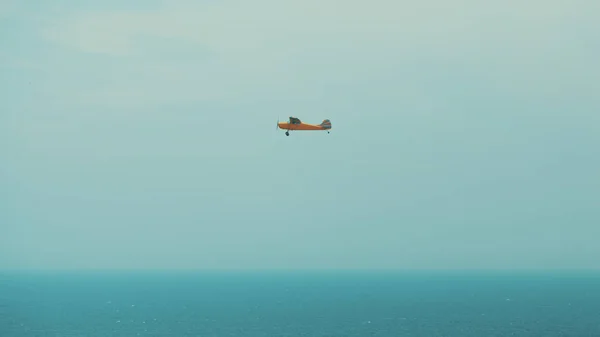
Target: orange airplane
x=297 y=124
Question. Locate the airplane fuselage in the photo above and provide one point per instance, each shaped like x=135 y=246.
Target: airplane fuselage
x=302 y=126
x=296 y=124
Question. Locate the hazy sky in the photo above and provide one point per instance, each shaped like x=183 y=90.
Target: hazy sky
x=466 y=134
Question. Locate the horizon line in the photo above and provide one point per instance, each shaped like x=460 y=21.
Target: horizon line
x=296 y=270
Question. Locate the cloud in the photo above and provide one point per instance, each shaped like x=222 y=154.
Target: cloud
x=265 y=48
x=252 y=27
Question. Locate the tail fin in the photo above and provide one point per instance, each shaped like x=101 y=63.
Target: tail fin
x=326 y=124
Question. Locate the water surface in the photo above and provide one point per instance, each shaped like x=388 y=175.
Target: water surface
x=451 y=304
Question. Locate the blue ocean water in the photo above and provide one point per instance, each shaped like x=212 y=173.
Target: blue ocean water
x=450 y=304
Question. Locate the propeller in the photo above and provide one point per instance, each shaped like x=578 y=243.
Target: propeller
x=277 y=126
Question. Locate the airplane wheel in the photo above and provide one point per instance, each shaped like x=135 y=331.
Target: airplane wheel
x=287 y=133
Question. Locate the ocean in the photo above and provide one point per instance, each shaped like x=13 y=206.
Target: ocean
x=299 y=303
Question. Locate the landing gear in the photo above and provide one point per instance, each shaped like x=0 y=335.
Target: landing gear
x=287 y=133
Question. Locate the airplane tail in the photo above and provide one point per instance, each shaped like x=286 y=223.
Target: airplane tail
x=326 y=124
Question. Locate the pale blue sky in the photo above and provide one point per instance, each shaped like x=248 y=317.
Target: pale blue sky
x=465 y=134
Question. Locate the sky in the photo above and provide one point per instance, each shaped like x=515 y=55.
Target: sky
x=142 y=134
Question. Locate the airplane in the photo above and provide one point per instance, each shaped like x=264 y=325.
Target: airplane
x=297 y=124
